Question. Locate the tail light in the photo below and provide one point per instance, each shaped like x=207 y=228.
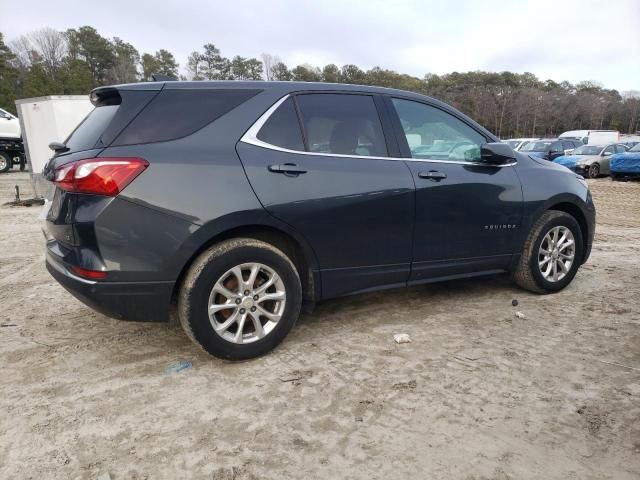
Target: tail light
x=92 y=274
x=99 y=176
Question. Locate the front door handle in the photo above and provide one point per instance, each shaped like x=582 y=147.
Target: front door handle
x=287 y=168
x=433 y=175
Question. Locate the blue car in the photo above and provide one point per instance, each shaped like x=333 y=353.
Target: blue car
x=626 y=165
x=591 y=161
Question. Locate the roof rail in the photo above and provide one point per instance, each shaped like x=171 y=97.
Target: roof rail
x=163 y=78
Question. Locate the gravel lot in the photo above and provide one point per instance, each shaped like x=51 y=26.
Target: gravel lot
x=477 y=394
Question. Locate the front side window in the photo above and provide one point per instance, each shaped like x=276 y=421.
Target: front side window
x=609 y=150
x=341 y=124
x=436 y=135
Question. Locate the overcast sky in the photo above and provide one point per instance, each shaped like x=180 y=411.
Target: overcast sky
x=560 y=39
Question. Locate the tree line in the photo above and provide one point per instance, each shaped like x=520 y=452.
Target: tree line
x=49 y=62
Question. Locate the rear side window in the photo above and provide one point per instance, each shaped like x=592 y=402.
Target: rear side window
x=177 y=113
x=87 y=134
x=283 y=129
x=342 y=124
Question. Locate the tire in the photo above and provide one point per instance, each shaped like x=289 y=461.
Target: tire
x=593 y=170
x=528 y=274
x=23 y=164
x=215 y=268
x=5 y=162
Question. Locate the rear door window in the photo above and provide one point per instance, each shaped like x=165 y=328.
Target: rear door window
x=344 y=124
x=282 y=129
x=177 y=113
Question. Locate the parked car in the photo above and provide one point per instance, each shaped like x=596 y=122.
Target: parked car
x=240 y=203
x=626 y=165
x=518 y=143
x=591 y=161
x=11 y=147
x=593 y=137
x=551 y=148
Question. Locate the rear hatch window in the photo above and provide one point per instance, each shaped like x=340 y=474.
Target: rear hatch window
x=88 y=133
x=114 y=111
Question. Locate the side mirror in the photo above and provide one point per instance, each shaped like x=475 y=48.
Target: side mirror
x=497 y=153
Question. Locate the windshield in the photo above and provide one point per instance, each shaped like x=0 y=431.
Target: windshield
x=588 y=150
x=536 y=147
x=635 y=149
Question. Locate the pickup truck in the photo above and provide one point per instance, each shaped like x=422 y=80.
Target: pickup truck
x=11 y=146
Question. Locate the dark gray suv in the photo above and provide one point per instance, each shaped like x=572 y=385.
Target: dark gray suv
x=239 y=204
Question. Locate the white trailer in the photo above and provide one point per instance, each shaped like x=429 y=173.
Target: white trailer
x=44 y=120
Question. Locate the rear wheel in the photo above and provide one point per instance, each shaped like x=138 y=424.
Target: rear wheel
x=240 y=299
x=5 y=162
x=551 y=255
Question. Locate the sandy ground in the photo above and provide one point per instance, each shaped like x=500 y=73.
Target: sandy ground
x=478 y=394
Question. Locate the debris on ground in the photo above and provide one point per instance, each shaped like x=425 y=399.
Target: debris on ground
x=176 y=367
x=472 y=355
x=296 y=376
x=359 y=419
x=514 y=302
x=520 y=315
x=410 y=385
x=402 y=338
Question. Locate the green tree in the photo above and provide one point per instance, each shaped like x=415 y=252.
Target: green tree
x=124 y=69
x=194 y=66
x=331 y=74
x=8 y=77
x=214 y=65
x=149 y=65
x=162 y=63
x=279 y=71
x=87 y=44
x=306 y=73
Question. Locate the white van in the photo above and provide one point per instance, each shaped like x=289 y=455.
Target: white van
x=593 y=137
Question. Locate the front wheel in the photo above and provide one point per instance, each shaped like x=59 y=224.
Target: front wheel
x=593 y=171
x=551 y=255
x=240 y=298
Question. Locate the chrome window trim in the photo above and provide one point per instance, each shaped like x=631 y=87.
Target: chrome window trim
x=251 y=138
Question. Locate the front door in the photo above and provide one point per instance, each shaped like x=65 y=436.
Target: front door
x=320 y=163
x=468 y=214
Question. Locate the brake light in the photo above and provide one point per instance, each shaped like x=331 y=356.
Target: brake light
x=92 y=274
x=99 y=176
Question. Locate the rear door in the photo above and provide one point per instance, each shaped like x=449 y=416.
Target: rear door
x=468 y=214
x=321 y=163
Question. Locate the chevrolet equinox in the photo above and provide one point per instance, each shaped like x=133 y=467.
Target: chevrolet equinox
x=235 y=205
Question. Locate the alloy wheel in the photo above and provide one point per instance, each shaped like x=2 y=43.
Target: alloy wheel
x=246 y=303
x=556 y=254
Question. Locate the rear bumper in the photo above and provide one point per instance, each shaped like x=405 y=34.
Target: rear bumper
x=135 y=301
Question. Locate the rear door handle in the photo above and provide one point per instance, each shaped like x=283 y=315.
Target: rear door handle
x=287 y=169
x=433 y=175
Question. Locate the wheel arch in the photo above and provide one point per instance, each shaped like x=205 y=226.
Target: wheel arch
x=576 y=212
x=291 y=244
